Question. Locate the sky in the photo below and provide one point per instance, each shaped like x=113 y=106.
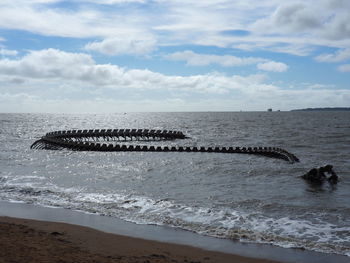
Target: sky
x=105 y=56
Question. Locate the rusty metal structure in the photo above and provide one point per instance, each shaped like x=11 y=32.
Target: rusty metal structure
x=117 y=140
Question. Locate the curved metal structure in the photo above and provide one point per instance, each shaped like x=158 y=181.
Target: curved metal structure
x=95 y=140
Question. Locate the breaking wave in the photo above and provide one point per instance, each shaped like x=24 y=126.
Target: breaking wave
x=222 y=223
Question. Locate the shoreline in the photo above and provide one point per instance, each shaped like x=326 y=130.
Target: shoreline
x=24 y=240
x=52 y=220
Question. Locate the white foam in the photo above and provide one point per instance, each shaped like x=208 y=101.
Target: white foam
x=224 y=223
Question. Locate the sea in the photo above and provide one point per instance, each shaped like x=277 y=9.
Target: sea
x=246 y=198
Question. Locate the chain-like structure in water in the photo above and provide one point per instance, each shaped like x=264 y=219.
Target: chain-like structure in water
x=110 y=140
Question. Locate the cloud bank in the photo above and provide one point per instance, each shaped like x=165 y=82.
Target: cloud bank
x=63 y=82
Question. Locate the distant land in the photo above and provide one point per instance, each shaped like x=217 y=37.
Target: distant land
x=325 y=109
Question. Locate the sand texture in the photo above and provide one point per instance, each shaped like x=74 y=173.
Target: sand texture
x=23 y=240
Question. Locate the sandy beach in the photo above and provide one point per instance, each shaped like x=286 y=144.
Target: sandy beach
x=23 y=240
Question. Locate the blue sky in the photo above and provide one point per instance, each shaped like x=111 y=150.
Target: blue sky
x=157 y=55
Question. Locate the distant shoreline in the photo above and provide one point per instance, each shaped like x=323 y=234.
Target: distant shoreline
x=325 y=109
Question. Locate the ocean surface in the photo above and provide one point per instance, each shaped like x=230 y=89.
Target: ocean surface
x=233 y=196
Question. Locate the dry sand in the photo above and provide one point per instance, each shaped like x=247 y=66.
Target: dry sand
x=23 y=240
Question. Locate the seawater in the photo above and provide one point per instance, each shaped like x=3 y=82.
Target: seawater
x=233 y=196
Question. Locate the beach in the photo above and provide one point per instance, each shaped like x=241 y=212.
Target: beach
x=31 y=233
x=175 y=131
x=24 y=240
x=238 y=204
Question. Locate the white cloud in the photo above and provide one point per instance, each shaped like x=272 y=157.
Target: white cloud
x=81 y=22
x=293 y=27
x=294 y=49
x=54 y=66
x=273 y=66
x=195 y=59
x=344 y=68
x=56 y=81
x=7 y=52
x=112 y=2
x=275 y=24
x=32 y=2
x=138 y=44
x=339 y=56
x=50 y=63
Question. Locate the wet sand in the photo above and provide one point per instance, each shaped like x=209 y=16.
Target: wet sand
x=24 y=240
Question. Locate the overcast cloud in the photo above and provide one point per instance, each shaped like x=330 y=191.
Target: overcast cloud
x=173 y=55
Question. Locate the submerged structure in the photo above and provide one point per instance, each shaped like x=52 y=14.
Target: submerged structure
x=318 y=175
x=111 y=140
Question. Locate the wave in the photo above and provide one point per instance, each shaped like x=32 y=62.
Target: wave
x=227 y=223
